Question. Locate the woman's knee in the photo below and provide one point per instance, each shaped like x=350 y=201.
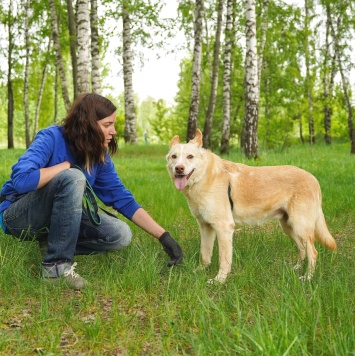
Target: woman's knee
x=71 y=180
x=122 y=238
x=73 y=175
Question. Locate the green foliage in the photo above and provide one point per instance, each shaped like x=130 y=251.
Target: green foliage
x=136 y=305
x=283 y=96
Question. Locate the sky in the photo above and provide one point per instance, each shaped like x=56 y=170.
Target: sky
x=158 y=77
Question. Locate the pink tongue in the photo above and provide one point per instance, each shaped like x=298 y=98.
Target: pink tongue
x=180 y=182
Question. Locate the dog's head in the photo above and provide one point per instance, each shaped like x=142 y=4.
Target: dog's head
x=185 y=160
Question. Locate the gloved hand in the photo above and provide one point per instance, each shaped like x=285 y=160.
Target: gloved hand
x=172 y=248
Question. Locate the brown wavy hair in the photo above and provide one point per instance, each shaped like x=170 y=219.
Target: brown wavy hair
x=82 y=131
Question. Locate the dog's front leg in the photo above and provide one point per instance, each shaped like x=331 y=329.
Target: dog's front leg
x=208 y=236
x=225 y=247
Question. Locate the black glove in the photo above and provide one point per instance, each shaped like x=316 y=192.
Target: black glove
x=172 y=248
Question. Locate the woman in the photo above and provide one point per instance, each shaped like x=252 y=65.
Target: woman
x=44 y=197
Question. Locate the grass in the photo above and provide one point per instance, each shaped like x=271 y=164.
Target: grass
x=135 y=305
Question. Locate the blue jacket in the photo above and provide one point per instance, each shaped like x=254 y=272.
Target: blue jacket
x=50 y=148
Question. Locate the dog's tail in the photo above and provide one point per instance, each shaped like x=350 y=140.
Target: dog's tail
x=322 y=233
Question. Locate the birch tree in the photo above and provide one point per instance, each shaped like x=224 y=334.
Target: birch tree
x=95 y=51
x=328 y=79
x=309 y=81
x=344 y=80
x=83 y=38
x=10 y=19
x=130 y=130
x=196 y=72
x=41 y=89
x=58 y=52
x=55 y=90
x=263 y=38
x=73 y=45
x=227 y=79
x=27 y=69
x=140 y=21
x=214 y=78
x=250 y=131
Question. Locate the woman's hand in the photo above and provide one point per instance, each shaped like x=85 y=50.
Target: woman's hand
x=172 y=248
x=142 y=219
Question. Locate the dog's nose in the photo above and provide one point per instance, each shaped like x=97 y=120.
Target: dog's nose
x=179 y=169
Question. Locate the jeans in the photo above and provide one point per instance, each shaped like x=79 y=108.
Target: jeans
x=54 y=214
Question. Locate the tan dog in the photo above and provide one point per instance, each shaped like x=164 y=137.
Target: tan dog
x=222 y=194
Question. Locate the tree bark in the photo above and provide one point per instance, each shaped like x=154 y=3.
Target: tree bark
x=251 y=85
x=40 y=92
x=263 y=38
x=10 y=93
x=73 y=45
x=227 y=79
x=55 y=114
x=345 y=85
x=130 y=130
x=95 y=50
x=196 y=72
x=214 y=79
x=59 y=58
x=309 y=81
x=327 y=90
x=27 y=70
x=83 y=37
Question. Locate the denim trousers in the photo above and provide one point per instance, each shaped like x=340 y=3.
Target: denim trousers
x=53 y=215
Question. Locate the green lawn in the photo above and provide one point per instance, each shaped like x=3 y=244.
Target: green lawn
x=135 y=305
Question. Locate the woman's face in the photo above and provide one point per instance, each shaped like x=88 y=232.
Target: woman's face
x=107 y=126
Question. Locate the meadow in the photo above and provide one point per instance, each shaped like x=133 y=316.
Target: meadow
x=135 y=305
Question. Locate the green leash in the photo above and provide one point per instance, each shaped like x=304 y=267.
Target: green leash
x=90 y=206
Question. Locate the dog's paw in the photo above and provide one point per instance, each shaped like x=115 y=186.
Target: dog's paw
x=200 y=268
x=219 y=279
x=298 y=266
x=306 y=278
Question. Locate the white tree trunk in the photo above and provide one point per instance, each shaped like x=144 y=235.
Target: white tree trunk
x=130 y=130
x=227 y=79
x=196 y=73
x=263 y=38
x=58 y=52
x=95 y=51
x=309 y=80
x=73 y=45
x=251 y=84
x=345 y=84
x=40 y=93
x=83 y=38
x=214 y=79
x=27 y=70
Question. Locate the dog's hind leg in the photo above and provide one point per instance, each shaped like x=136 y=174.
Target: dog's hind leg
x=311 y=257
x=304 y=240
x=208 y=236
x=301 y=246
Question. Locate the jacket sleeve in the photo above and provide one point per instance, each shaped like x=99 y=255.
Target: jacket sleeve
x=25 y=173
x=112 y=192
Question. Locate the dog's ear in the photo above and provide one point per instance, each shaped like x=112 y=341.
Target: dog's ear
x=175 y=140
x=197 y=140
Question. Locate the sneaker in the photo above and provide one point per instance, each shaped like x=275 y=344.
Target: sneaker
x=63 y=273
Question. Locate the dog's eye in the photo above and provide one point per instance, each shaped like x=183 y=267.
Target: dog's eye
x=173 y=156
x=190 y=157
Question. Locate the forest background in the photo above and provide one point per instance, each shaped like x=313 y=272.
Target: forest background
x=255 y=73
